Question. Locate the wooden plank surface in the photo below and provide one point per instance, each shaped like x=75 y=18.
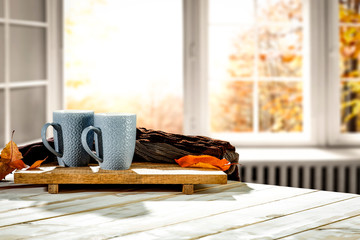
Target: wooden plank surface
x=232 y=211
x=139 y=173
x=349 y=228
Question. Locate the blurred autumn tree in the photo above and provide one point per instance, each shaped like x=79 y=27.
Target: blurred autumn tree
x=110 y=65
x=349 y=36
x=275 y=61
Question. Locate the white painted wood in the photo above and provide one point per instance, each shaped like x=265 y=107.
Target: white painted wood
x=344 y=229
x=27 y=23
x=198 y=206
x=50 y=206
x=195 y=67
x=25 y=84
x=232 y=211
x=255 y=93
x=314 y=71
x=295 y=222
x=203 y=227
x=7 y=85
x=7 y=128
x=336 y=137
x=55 y=63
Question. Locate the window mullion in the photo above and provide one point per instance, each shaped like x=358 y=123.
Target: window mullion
x=314 y=77
x=7 y=129
x=333 y=89
x=256 y=74
x=195 y=67
x=55 y=84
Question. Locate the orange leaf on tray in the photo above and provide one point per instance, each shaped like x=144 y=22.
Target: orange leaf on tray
x=10 y=159
x=203 y=161
x=36 y=164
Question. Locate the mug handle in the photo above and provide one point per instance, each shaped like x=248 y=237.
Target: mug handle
x=57 y=127
x=99 y=142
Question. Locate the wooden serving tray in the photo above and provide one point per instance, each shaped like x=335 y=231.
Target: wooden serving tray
x=139 y=173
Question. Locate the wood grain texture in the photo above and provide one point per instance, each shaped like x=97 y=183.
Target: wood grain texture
x=188 y=189
x=139 y=173
x=230 y=211
x=53 y=188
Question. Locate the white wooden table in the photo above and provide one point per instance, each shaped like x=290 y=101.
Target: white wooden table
x=232 y=211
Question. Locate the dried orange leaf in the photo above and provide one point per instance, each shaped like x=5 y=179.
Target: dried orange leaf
x=18 y=164
x=11 y=152
x=36 y=164
x=204 y=165
x=5 y=169
x=203 y=161
x=10 y=158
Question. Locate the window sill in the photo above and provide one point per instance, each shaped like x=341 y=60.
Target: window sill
x=294 y=155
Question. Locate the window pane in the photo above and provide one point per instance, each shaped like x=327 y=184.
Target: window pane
x=28 y=113
x=349 y=11
x=349 y=51
x=231 y=12
x=231 y=52
x=275 y=64
x=280 y=10
x=2 y=118
x=126 y=56
x=280 y=51
x=2 y=53
x=27 y=53
x=263 y=56
x=231 y=106
x=32 y=10
x=280 y=106
x=349 y=43
x=350 y=106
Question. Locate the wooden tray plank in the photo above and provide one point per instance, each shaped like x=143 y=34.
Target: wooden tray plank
x=139 y=173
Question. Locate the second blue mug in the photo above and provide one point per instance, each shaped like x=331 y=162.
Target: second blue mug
x=115 y=137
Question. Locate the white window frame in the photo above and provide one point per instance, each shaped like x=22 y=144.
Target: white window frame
x=52 y=82
x=336 y=138
x=197 y=109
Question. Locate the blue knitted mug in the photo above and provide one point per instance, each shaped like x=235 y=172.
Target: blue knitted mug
x=115 y=137
x=68 y=125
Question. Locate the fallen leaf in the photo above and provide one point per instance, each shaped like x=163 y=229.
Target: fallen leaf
x=36 y=164
x=5 y=169
x=18 y=164
x=204 y=161
x=11 y=152
x=10 y=158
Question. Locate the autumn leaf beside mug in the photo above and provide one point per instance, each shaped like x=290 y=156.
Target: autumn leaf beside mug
x=68 y=126
x=115 y=137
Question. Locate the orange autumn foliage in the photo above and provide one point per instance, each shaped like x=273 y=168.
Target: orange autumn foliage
x=10 y=159
x=204 y=161
x=36 y=164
